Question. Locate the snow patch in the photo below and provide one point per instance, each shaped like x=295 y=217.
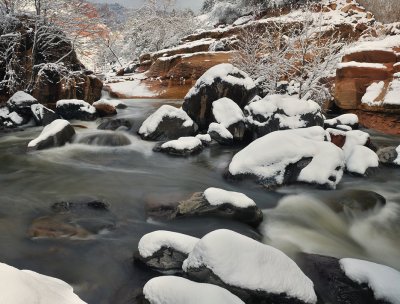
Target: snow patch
x=219 y=129
x=216 y=197
x=133 y=88
x=372 y=93
x=226 y=112
x=183 y=143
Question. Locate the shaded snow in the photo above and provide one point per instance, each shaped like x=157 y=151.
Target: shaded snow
x=176 y=290
x=256 y=266
x=204 y=137
x=383 y=280
x=226 y=112
x=154 y=241
x=49 y=130
x=216 y=197
x=220 y=129
x=345 y=119
x=24 y=286
x=21 y=97
x=15 y=118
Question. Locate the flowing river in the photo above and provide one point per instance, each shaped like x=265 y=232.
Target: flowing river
x=130 y=177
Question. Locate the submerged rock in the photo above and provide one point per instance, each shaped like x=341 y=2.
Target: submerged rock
x=114 y=139
x=167 y=123
x=76 y=109
x=255 y=272
x=176 y=290
x=213 y=202
x=184 y=146
x=115 y=124
x=56 y=134
x=223 y=80
x=75 y=220
x=164 y=251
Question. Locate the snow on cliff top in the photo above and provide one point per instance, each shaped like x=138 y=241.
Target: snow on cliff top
x=383 y=280
x=378 y=44
x=216 y=197
x=256 y=266
x=154 y=241
x=24 y=286
x=176 y=290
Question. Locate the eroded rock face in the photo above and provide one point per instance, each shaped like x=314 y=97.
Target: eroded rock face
x=222 y=80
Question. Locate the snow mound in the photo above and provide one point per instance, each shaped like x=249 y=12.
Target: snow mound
x=176 y=290
x=383 y=280
x=256 y=266
x=345 y=119
x=15 y=118
x=48 y=131
x=227 y=73
x=151 y=123
x=24 y=286
x=216 y=197
x=205 y=138
x=360 y=158
x=226 y=112
x=373 y=92
x=154 y=241
x=183 y=143
x=21 y=98
x=220 y=130
x=289 y=147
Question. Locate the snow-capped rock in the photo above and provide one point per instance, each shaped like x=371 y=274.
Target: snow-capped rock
x=228 y=114
x=220 y=134
x=21 y=103
x=24 y=286
x=42 y=115
x=75 y=109
x=56 y=134
x=112 y=102
x=205 y=138
x=183 y=146
x=256 y=272
x=282 y=157
x=389 y=156
x=167 y=123
x=176 y=290
x=223 y=80
x=282 y=112
x=350 y=120
x=164 y=251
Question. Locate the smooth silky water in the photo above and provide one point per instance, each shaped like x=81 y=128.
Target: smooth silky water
x=101 y=269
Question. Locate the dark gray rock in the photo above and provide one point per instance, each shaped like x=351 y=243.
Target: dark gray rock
x=76 y=109
x=115 y=124
x=42 y=115
x=388 y=155
x=114 y=139
x=21 y=103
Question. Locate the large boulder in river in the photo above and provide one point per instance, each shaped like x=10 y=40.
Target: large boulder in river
x=105 y=139
x=389 y=156
x=282 y=112
x=116 y=124
x=255 y=272
x=220 y=134
x=176 y=290
x=223 y=80
x=167 y=123
x=290 y=156
x=76 y=109
x=212 y=202
x=350 y=280
x=56 y=134
x=42 y=115
x=183 y=146
x=21 y=103
x=164 y=251
x=228 y=114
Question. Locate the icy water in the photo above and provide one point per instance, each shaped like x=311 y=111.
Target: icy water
x=101 y=269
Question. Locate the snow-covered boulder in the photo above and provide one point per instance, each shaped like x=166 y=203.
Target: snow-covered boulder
x=24 y=286
x=220 y=134
x=183 y=146
x=10 y=119
x=281 y=112
x=42 y=115
x=176 y=290
x=389 y=156
x=223 y=80
x=56 y=134
x=21 y=103
x=289 y=156
x=105 y=139
x=164 y=251
x=167 y=123
x=212 y=202
x=205 y=139
x=228 y=114
x=116 y=124
x=350 y=280
x=75 y=109
x=255 y=272
x=349 y=120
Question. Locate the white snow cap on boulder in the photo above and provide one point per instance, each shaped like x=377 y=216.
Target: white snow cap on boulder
x=223 y=71
x=268 y=157
x=256 y=266
x=84 y=106
x=183 y=143
x=152 y=242
x=215 y=197
x=220 y=130
x=21 y=98
x=24 y=286
x=152 y=122
x=176 y=290
x=383 y=280
x=226 y=112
